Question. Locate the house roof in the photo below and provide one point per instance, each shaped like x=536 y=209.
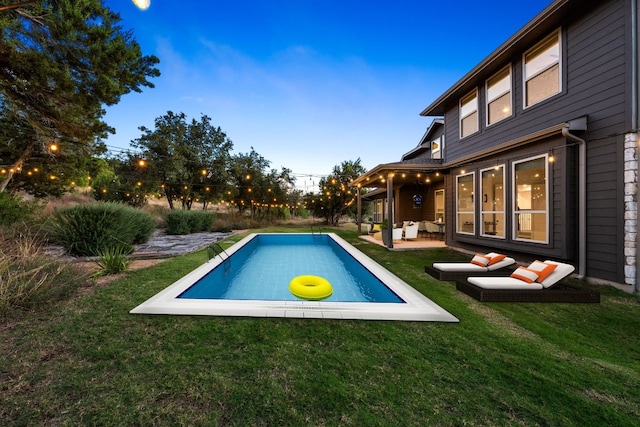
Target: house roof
x=551 y=17
x=377 y=176
x=425 y=142
x=410 y=171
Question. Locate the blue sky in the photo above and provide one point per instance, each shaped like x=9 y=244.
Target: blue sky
x=310 y=83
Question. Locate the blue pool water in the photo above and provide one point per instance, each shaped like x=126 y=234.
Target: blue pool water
x=263 y=268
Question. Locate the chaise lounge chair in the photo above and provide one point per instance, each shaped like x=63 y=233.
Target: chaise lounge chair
x=491 y=263
x=531 y=284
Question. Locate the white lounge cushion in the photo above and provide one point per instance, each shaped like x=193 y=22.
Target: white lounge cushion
x=500 y=264
x=464 y=267
x=562 y=270
x=458 y=266
x=503 y=283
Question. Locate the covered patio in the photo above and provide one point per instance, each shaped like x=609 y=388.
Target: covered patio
x=416 y=192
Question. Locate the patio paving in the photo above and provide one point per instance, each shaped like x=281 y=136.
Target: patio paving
x=407 y=245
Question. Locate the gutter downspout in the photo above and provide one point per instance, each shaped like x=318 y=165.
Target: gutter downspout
x=582 y=200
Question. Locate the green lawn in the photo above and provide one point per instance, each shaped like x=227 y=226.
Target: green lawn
x=89 y=362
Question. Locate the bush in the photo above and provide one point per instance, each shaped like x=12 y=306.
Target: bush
x=29 y=278
x=113 y=260
x=185 y=222
x=13 y=208
x=90 y=229
x=303 y=213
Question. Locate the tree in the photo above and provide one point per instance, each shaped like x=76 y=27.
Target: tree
x=61 y=62
x=337 y=197
x=247 y=179
x=114 y=182
x=186 y=161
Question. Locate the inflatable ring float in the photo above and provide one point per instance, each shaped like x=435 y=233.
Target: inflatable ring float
x=309 y=287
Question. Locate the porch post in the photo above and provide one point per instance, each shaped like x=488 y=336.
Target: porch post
x=359 y=217
x=390 y=209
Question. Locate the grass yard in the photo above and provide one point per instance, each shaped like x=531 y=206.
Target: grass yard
x=88 y=362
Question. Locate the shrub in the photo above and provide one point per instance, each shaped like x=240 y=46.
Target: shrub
x=185 y=222
x=13 y=208
x=113 y=260
x=303 y=213
x=29 y=278
x=90 y=229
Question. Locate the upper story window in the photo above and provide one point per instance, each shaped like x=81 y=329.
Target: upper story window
x=542 y=70
x=436 y=147
x=499 y=96
x=469 y=114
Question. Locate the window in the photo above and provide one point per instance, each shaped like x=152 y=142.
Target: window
x=531 y=210
x=542 y=70
x=465 y=212
x=499 y=96
x=469 y=114
x=439 y=196
x=492 y=211
x=378 y=214
x=436 y=148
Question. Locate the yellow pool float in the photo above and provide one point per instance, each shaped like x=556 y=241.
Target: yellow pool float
x=310 y=287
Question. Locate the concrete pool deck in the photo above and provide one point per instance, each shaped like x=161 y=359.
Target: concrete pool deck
x=416 y=306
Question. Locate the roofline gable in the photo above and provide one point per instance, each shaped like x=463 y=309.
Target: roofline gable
x=425 y=141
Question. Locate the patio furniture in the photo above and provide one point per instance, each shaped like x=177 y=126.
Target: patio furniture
x=375 y=228
x=432 y=229
x=497 y=265
x=422 y=228
x=397 y=233
x=411 y=231
x=528 y=285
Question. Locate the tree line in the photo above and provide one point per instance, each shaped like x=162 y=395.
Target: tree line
x=61 y=63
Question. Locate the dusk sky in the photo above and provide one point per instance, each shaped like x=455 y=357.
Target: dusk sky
x=310 y=84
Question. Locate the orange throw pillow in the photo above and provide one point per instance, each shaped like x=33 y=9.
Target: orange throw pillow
x=480 y=260
x=542 y=268
x=525 y=275
x=496 y=258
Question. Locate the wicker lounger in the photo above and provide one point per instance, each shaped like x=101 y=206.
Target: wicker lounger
x=503 y=268
x=560 y=292
x=509 y=289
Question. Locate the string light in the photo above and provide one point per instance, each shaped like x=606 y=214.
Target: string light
x=142 y=4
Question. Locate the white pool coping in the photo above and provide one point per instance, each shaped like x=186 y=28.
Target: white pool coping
x=417 y=307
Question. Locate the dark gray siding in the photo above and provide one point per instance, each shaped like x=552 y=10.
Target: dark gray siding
x=594 y=80
x=593 y=84
x=563 y=197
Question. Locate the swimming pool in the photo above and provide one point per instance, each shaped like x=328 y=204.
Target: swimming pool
x=216 y=287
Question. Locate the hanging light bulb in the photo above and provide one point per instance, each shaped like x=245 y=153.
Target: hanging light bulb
x=142 y=4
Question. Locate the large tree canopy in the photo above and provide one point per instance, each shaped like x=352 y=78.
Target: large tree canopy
x=187 y=160
x=61 y=63
x=337 y=196
x=253 y=185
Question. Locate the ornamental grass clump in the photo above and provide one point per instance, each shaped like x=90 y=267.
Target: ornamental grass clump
x=29 y=278
x=90 y=229
x=113 y=260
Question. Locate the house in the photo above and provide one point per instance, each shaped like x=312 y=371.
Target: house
x=534 y=152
